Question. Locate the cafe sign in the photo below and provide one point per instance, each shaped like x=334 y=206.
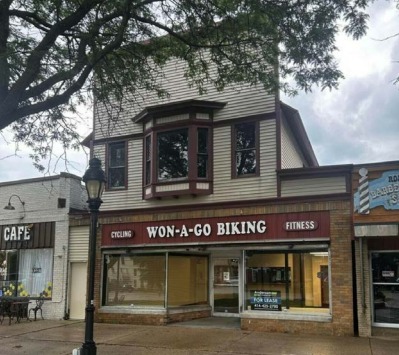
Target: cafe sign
x=16 y=233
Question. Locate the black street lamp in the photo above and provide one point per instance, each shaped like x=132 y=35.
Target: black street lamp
x=94 y=178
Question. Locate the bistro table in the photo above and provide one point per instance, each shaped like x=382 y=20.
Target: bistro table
x=14 y=307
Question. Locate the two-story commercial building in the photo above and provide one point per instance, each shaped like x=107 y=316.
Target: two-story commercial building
x=215 y=206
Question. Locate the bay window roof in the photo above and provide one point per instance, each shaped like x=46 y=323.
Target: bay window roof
x=178 y=107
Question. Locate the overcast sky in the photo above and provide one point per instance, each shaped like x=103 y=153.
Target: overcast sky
x=358 y=123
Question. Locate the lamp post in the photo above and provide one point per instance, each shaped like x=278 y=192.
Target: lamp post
x=94 y=178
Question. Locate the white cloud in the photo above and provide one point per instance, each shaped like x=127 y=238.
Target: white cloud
x=358 y=122
x=15 y=163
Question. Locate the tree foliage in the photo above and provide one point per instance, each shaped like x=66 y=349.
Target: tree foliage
x=50 y=49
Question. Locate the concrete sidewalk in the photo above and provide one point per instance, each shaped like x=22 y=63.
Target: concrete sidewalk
x=61 y=337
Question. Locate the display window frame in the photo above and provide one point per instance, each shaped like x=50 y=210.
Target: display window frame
x=283 y=304
x=26 y=280
x=125 y=303
x=380 y=300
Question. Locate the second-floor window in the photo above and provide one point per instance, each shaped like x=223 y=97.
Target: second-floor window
x=116 y=177
x=173 y=154
x=178 y=154
x=245 y=146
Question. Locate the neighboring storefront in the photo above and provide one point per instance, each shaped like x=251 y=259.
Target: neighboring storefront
x=288 y=271
x=376 y=220
x=34 y=239
x=26 y=259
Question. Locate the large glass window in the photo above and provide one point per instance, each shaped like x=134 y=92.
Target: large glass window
x=245 y=149
x=140 y=280
x=137 y=280
x=173 y=154
x=187 y=280
x=385 y=269
x=26 y=273
x=116 y=165
x=176 y=161
x=287 y=280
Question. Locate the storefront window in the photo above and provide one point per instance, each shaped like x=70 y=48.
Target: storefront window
x=137 y=280
x=286 y=280
x=385 y=268
x=187 y=280
x=140 y=280
x=27 y=272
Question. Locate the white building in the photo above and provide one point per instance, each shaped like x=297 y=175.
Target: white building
x=35 y=243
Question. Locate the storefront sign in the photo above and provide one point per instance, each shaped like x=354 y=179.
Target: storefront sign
x=16 y=233
x=232 y=228
x=219 y=230
x=266 y=300
x=300 y=226
x=27 y=236
x=122 y=234
x=382 y=192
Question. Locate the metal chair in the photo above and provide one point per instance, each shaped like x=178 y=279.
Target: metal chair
x=37 y=308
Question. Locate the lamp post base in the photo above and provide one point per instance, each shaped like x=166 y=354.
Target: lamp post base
x=88 y=349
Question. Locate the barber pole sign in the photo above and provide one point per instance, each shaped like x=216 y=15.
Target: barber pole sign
x=364 y=194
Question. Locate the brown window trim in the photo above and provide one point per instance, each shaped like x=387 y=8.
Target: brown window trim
x=192 y=178
x=107 y=152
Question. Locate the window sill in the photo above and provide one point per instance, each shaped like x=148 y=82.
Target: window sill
x=301 y=315
x=131 y=310
x=148 y=310
x=177 y=188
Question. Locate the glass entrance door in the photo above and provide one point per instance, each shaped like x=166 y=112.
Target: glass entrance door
x=225 y=286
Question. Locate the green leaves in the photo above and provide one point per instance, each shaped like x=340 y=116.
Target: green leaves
x=49 y=51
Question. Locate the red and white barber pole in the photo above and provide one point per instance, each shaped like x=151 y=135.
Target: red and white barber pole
x=364 y=196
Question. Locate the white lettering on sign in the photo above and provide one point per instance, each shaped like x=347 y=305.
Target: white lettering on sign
x=300 y=226
x=126 y=234
x=205 y=230
x=16 y=233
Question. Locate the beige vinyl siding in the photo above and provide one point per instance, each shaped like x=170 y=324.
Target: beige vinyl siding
x=241 y=100
x=78 y=243
x=291 y=156
x=225 y=188
x=315 y=186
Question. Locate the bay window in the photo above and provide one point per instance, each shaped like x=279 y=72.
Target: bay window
x=177 y=147
x=177 y=161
